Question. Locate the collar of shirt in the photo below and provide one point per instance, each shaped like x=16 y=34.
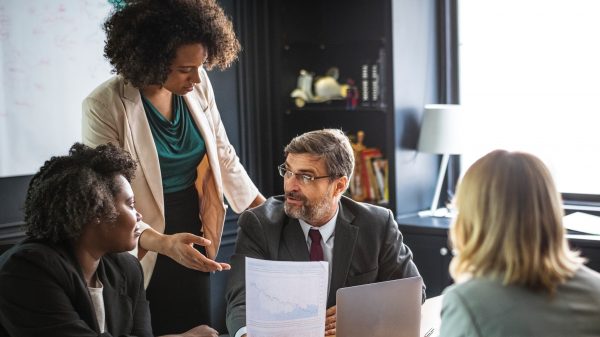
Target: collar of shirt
x=327 y=230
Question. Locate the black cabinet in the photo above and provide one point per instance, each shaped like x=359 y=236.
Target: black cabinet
x=428 y=240
x=432 y=256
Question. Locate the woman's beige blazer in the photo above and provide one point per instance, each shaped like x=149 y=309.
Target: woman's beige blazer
x=114 y=113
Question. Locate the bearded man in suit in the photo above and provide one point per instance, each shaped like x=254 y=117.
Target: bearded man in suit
x=361 y=242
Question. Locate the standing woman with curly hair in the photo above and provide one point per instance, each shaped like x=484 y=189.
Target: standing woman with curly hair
x=161 y=107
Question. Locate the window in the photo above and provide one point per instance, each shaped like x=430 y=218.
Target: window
x=530 y=81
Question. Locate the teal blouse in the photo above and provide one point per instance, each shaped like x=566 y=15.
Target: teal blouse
x=179 y=144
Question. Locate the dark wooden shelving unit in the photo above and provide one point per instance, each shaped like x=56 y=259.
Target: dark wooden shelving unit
x=325 y=108
x=315 y=35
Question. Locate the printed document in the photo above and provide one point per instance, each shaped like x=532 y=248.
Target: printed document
x=582 y=222
x=286 y=298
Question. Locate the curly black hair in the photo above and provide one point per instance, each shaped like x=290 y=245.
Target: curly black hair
x=142 y=37
x=71 y=191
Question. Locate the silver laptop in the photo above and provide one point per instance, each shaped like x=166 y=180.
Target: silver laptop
x=384 y=309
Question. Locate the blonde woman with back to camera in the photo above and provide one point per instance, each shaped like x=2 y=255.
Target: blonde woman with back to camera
x=515 y=273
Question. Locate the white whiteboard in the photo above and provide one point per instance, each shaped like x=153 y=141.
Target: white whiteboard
x=51 y=58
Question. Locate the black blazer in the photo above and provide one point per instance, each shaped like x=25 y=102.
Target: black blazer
x=43 y=293
x=368 y=248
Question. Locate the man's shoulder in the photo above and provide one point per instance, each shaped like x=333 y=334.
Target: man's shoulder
x=363 y=207
x=364 y=212
x=270 y=212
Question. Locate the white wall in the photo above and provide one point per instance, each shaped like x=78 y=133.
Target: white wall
x=51 y=57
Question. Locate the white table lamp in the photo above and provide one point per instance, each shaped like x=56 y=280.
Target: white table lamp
x=440 y=134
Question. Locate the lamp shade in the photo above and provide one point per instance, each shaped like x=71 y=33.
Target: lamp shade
x=441 y=129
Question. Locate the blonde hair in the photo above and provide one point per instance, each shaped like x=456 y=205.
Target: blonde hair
x=509 y=224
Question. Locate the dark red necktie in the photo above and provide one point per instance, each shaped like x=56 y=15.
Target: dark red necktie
x=316 y=251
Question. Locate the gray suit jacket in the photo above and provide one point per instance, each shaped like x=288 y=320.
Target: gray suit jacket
x=485 y=308
x=368 y=248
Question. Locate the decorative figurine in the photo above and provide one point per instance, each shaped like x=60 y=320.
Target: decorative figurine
x=352 y=95
x=326 y=88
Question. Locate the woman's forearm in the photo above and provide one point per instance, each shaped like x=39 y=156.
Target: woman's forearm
x=151 y=240
x=259 y=200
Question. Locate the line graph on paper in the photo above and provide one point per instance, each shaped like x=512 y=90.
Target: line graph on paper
x=277 y=303
x=285 y=292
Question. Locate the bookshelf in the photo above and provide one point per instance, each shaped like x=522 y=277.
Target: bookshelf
x=315 y=35
x=281 y=38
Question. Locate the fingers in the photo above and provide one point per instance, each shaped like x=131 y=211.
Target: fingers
x=193 y=259
x=201 y=331
x=330 y=321
x=211 y=332
x=195 y=239
x=202 y=263
x=183 y=252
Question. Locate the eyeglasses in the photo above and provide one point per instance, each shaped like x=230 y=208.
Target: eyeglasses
x=303 y=178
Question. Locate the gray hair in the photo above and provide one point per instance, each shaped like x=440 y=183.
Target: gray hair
x=331 y=144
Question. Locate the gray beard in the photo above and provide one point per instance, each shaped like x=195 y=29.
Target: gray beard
x=309 y=213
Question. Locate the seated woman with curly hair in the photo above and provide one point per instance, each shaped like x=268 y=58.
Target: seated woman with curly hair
x=161 y=108
x=71 y=277
x=515 y=273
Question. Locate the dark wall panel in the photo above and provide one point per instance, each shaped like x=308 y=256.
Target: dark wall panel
x=219 y=279
x=415 y=84
x=12 y=197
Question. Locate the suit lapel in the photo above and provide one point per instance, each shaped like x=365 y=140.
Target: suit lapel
x=143 y=142
x=110 y=298
x=114 y=298
x=197 y=108
x=198 y=104
x=345 y=240
x=83 y=303
x=293 y=239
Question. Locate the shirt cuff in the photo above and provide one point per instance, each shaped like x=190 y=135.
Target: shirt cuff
x=142 y=227
x=241 y=332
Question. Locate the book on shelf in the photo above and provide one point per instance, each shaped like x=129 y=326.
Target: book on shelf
x=369 y=182
x=380 y=168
